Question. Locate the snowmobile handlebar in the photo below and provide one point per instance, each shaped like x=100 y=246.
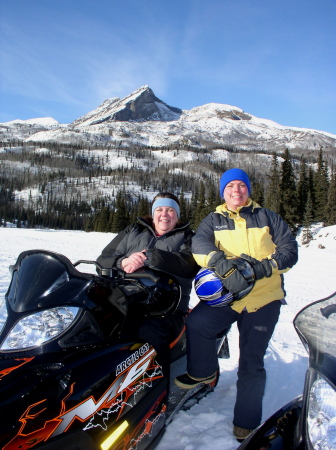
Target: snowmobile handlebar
x=115 y=273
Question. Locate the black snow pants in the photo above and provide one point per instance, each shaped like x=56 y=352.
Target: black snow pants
x=255 y=330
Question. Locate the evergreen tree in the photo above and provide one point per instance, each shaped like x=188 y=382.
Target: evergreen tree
x=121 y=217
x=213 y=199
x=272 y=198
x=330 y=209
x=288 y=197
x=183 y=208
x=89 y=224
x=307 y=221
x=311 y=184
x=258 y=193
x=103 y=219
x=143 y=207
x=133 y=211
x=193 y=208
x=321 y=187
x=302 y=191
x=201 y=206
x=110 y=221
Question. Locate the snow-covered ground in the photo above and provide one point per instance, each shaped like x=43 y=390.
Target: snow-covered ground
x=208 y=425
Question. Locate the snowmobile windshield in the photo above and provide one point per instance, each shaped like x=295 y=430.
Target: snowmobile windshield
x=37 y=281
x=316 y=326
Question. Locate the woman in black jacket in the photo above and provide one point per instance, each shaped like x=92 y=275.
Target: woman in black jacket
x=160 y=242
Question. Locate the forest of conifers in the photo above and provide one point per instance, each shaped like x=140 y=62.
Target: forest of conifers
x=301 y=191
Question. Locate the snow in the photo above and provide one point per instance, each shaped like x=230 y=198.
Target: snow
x=213 y=109
x=102 y=112
x=41 y=121
x=212 y=122
x=209 y=423
x=166 y=113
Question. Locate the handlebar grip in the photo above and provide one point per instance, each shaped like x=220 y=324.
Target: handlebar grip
x=115 y=273
x=137 y=275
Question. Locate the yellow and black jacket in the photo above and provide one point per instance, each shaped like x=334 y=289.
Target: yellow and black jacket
x=255 y=231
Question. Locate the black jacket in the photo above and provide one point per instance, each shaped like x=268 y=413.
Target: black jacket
x=170 y=253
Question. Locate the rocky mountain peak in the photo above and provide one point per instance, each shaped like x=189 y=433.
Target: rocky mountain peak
x=140 y=106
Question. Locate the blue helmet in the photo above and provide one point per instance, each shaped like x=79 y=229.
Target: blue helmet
x=210 y=289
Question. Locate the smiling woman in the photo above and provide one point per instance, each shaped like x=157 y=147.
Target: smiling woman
x=163 y=243
x=237 y=236
x=165 y=212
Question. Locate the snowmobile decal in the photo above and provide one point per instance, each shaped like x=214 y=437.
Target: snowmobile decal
x=5 y=372
x=124 y=391
x=120 y=395
x=145 y=427
x=131 y=359
x=25 y=440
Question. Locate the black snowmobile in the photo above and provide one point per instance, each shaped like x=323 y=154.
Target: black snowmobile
x=70 y=376
x=309 y=421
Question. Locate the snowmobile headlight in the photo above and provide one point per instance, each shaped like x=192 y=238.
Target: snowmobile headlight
x=3 y=313
x=37 y=329
x=322 y=414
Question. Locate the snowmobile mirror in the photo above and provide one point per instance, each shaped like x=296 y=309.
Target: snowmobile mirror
x=102 y=271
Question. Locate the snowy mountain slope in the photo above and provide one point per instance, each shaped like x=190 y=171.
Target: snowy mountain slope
x=142 y=119
x=22 y=129
x=122 y=163
x=47 y=122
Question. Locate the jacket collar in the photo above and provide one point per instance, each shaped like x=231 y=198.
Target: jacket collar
x=223 y=209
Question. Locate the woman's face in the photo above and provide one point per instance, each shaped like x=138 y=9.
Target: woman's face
x=164 y=218
x=236 y=194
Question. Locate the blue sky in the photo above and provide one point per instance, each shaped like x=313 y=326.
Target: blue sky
x=275 y=59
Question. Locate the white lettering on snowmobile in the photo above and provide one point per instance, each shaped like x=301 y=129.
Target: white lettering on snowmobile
x=131 y=359
x=136 y=371
x=89 y=407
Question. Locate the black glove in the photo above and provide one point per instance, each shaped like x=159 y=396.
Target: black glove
x=261 y=268
x=228 y=271
x=150 y=254
x=157 y=259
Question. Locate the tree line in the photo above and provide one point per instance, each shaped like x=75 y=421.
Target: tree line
x=299 y=192
x=311 y=198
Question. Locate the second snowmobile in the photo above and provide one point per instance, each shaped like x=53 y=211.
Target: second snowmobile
x=308 y=422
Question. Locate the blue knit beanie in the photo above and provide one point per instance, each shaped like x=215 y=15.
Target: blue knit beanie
x=231 y=175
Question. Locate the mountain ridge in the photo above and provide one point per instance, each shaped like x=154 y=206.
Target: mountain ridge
x=142 y=119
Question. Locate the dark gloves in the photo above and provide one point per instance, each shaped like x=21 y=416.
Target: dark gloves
x=228 y=271
x=157 y=259
x=261 y=268
x=154 y=258
x=180 y=263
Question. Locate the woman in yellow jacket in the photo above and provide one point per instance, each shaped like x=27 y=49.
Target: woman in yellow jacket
x=239 y=228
